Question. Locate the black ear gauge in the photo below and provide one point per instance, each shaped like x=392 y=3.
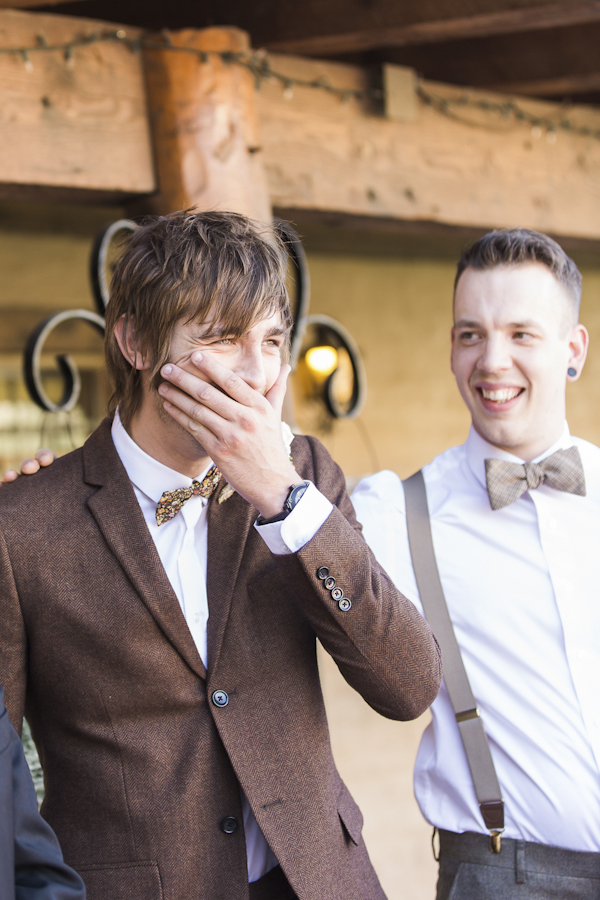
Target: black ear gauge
x=571 y=371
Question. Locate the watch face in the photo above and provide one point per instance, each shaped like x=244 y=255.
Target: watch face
x=296 y=494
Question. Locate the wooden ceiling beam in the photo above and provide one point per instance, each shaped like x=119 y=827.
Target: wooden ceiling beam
x=533 y=18
x=476 y=170
x=27 y=4
x=71 y=128
x=566 y=85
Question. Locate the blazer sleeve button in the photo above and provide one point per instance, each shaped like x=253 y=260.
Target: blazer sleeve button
x=329 y=583
x=220 y=698
x=337 y=593
x=229 y=825
x=344 y=604
x=322 y=572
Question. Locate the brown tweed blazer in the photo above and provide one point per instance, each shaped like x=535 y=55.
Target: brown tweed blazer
x=141 y=767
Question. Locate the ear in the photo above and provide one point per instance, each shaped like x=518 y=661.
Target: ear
x=578 y=348
x=125 y=336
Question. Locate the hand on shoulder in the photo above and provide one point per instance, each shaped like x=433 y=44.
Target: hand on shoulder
x=30 y=465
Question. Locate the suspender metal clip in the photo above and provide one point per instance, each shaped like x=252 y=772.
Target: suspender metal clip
x=495 y=841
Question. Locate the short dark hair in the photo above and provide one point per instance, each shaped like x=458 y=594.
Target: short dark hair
x=207 y=266
x=516 y=246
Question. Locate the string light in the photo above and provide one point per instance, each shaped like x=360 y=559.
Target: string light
x=259 y=65
x=506 y=110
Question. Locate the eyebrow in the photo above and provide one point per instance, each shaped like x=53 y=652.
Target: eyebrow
x=467 y=323
x=220 y=331
x=276 y=331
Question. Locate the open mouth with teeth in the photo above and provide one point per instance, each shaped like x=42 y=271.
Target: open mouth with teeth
x=500 y=397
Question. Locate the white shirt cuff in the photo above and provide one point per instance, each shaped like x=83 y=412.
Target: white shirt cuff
x=297 y=529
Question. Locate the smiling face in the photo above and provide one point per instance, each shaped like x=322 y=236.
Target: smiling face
x=512 y=342
x=256 y=356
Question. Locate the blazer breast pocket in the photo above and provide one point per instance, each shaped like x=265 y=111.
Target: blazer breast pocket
x=122 y=881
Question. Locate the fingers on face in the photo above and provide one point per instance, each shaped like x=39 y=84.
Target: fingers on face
x=223 y=396
x=194 y=415
x=226 y=379
x=197 y=398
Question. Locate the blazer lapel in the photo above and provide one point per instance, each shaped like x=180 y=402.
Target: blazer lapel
x=119 y=517
x=228 y=526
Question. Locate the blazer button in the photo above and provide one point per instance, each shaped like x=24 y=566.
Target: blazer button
x=344 y=604
x=220 y=698
x=229 y=825
x=337 y=593
x=322 y=572
x=329 y=583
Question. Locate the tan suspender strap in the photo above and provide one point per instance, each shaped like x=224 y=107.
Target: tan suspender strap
x=463 y=702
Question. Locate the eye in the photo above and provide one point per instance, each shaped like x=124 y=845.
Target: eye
x=468 y=336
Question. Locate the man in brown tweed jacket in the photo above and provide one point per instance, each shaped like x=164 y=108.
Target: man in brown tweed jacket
x=161 y=643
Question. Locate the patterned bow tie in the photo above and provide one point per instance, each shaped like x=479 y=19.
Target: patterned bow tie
x=171 y=502
x=506 y=481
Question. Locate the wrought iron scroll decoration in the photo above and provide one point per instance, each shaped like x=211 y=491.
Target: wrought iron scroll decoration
x=35 y=344
x=301 y=299
x=345 y=340
x=99 y=263
x=100 y=281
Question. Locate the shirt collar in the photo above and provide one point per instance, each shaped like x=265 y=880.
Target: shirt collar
x=148 y=474
x=478 y=450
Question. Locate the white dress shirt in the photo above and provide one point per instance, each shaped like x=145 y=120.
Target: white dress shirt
x=182 y=544
x=522 y=586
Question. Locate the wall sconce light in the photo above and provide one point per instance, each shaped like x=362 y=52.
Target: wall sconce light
x=331 y=368
x=321 y=361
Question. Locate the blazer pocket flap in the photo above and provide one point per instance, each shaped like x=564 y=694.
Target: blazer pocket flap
x=122 y=881
x=350 y=815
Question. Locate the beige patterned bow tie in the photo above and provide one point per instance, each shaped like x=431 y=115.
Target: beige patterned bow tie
x=171 y=501
x=506 y=481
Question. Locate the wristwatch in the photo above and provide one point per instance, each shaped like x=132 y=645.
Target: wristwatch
x=296 y=492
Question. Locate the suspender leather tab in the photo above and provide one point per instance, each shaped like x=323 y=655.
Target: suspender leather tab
x=466 y=711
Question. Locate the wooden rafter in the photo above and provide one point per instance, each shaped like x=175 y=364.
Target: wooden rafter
x=561 y=86
x=533 y=18
x=27 y=4
x=82 y=124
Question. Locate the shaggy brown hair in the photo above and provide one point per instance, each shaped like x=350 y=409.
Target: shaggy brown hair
x=206 y=267
x=516 y=246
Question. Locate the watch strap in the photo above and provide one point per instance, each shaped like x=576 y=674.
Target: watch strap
x=296 y=492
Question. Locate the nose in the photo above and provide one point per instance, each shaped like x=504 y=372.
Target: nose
x=495 y=355
x=250 y=367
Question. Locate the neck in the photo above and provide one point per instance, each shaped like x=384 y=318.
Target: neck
x=158 y=435
x=527 y=450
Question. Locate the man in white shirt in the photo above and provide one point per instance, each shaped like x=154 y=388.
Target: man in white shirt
x=162 y=643
x=521 y=581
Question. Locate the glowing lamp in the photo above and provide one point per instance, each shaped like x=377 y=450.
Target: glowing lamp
x=322 y=360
